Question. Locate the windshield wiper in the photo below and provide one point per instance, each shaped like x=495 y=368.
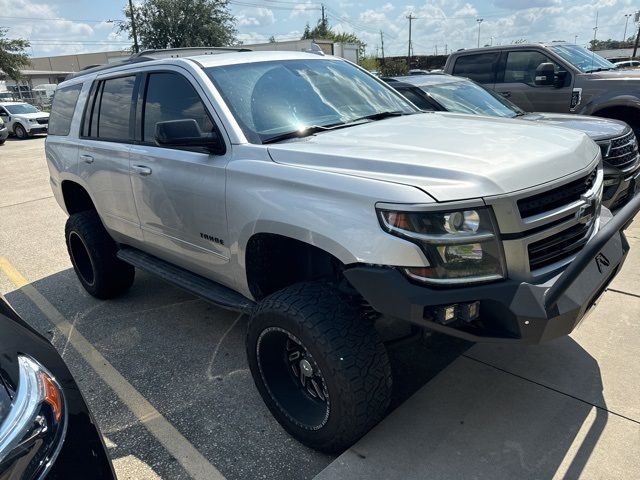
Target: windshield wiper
x=302 y=132
x=380 y=116
x=310 y=130
x=600 y=69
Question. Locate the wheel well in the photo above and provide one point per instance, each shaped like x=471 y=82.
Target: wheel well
x=626 y=114
x=274 y=262
x=76 y=198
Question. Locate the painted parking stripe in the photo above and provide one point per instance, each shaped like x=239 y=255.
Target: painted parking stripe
x=193 y=462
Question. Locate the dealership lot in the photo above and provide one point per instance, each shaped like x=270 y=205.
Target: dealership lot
x=166 y=378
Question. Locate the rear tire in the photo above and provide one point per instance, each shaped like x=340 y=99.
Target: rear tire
x=93 y=255
x=20 y=132
x=319 y=365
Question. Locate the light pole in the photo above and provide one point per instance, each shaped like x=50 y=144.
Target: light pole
x=491 y=41
x=479 y=20
x=575 y=39
x=626 y=22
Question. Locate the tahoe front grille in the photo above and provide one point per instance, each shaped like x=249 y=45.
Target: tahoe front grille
x=623 y=152
x=560 y=246
x=558 y=197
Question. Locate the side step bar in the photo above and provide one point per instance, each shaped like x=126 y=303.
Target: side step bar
x=202 y=287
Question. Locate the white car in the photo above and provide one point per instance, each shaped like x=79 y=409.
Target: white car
x=23 y=120
x=627 y=64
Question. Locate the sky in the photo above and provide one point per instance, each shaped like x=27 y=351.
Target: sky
x=56 y=27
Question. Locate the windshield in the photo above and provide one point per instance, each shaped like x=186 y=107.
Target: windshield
x=21 y=108
x=269 y=99
x=467 y=97
x=581 y=58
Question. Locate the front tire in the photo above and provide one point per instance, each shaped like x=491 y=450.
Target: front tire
x=20 y=132
x=319 y=365
x=93 y=255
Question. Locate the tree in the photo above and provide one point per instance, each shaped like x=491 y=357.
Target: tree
x=12 y=56
x=394 y=67
x=323 y=31
x=272 y=39
x=611 y=44
x=371 y=63
x=182 y=23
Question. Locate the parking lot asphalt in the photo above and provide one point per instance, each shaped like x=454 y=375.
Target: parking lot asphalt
x=163 y=372
x=166 y=378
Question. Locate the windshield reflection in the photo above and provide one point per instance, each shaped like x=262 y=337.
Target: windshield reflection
x=269 y=99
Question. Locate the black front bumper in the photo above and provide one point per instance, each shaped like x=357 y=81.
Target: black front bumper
x=510 y=311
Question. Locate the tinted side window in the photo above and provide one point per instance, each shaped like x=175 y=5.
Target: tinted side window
x=170 y=96
x=64 y=104
x=521 y=66
x=115 y=109
x=480 y=67
x=416 y=98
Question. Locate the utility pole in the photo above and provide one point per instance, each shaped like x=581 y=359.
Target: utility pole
x=411 y=18
x=635 y=48
x=323 y=18
x=134 y=33
x=445 y=48
x=436 y=50
x=479 y=20
x=491 y=40
x=382 y=44
x=626 y=22
x=595 y=31
x=575 y=39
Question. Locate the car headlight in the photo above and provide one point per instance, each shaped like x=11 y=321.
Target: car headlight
x=32 y=433
x=461 y=246
x=33 y=120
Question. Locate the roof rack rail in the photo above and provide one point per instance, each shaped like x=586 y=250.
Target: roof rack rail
x=149 y=55
x=157 y=54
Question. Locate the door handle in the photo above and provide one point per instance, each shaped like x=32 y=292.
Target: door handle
x=505 y=94
x=87 y=158
x=142 y=170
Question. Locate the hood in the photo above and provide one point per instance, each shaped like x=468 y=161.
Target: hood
x=613 y=75
x=597 y=128
x=28 y=116
x=447 y=155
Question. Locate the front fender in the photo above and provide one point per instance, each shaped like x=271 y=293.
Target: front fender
x=333 y=212
x=609 y=100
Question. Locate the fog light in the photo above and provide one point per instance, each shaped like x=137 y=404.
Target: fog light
x=445 y=314
x=469 y=312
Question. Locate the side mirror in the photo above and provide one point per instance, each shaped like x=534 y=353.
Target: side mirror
x=545 y=74
x=187 y=133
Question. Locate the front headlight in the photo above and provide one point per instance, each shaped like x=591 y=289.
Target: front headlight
x=461 y=246
x=32 y=433
x=33 y=120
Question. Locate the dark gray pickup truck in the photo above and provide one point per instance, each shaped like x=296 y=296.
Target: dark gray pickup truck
x=555 y=77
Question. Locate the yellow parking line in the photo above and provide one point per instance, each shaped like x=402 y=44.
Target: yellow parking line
x=194 y=463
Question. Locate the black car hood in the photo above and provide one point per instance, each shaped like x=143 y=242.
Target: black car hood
x=597 y=128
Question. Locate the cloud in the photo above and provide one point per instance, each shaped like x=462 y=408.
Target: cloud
x=522 y=4
x=255 y=17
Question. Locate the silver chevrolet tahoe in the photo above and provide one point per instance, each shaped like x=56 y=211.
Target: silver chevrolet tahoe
x=308 y=194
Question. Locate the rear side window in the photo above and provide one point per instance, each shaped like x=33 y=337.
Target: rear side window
x=109 y=110
x=64 y=104
x=170 y=96
x=115 y=108
x=480 y=67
